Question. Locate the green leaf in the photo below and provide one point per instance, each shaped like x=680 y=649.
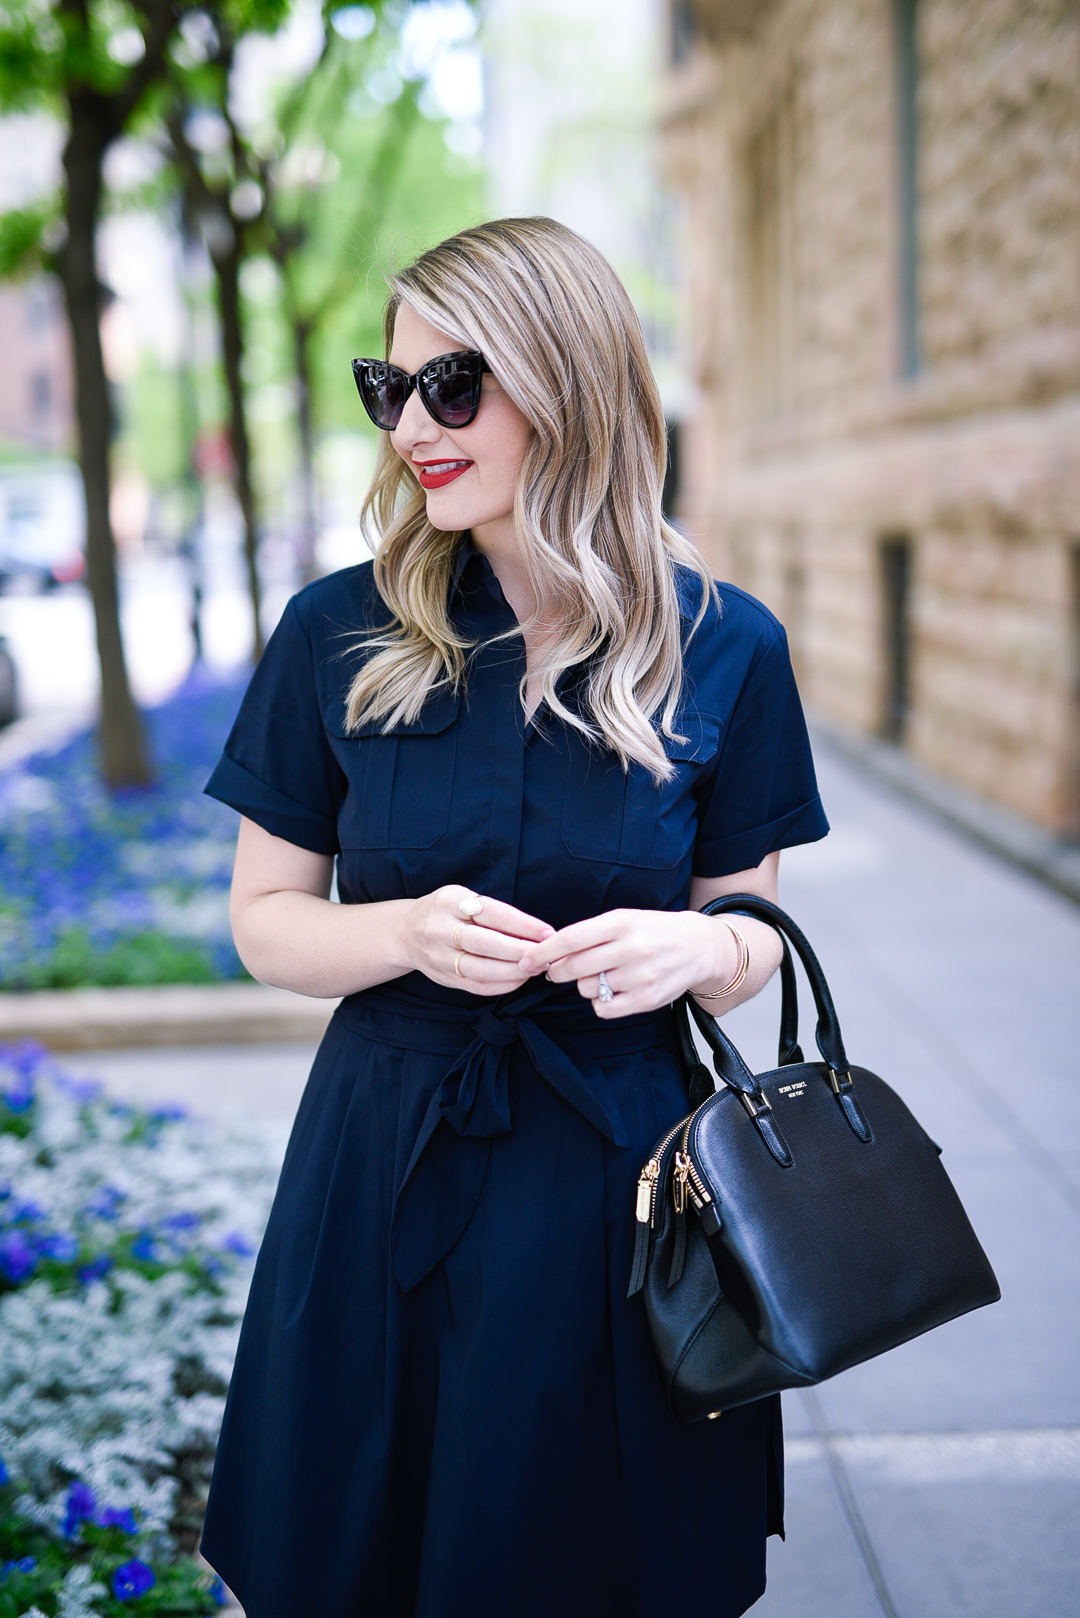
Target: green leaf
x=21 y=239
x=31 y=55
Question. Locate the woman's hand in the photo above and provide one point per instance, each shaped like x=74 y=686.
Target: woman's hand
x=467 y=941
x=649 y=957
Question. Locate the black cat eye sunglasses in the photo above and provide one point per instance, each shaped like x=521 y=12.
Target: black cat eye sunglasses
x=449 y=388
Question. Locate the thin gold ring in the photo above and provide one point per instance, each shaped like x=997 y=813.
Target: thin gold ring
x=455 y=936
x=457 y=963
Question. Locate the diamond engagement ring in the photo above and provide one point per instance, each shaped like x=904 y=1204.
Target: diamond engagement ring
x=605 y=994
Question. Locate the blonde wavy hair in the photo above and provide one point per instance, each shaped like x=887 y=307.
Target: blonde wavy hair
x=559 y=332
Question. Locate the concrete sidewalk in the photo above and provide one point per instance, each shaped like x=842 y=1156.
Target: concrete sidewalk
x=943 y=1480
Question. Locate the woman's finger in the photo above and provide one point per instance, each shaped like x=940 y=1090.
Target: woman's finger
x=484 y=941
x=624 y=1002
x=506 y=918
x=605 y=958
x=582 y=935
x=479 y=974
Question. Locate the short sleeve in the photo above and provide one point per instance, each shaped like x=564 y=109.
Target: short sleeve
x=761 y=795
x=278 y=767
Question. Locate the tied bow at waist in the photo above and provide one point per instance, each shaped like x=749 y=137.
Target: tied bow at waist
x=445 y=1173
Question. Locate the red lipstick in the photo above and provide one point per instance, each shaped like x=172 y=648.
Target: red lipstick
x=442 y=471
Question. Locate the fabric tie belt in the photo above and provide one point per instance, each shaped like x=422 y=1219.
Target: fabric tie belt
x=445 y=1173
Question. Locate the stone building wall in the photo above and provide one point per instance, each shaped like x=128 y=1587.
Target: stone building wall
x=815 y=453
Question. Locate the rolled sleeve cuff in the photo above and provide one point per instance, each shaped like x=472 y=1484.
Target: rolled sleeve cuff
x=746 y=849
x=272 y=810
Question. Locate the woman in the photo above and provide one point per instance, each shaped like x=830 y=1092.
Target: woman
x=535 y=740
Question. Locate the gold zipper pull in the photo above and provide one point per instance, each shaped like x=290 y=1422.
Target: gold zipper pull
x=678 y=1184
x=646 y=1180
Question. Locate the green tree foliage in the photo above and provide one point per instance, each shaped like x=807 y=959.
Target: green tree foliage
x=327 y=173
x=103 y=68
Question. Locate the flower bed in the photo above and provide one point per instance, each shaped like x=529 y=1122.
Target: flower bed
x=128 y=887
x=126 y=1242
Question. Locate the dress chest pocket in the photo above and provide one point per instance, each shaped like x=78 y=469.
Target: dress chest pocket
x=400 y=781
x=625 y=818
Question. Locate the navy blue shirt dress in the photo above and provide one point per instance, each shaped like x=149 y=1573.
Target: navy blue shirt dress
x=444 y=1404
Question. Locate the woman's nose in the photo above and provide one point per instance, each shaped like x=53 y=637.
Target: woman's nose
x=415 y=426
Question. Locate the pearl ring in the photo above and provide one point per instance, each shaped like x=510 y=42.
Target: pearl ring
x=470 y=906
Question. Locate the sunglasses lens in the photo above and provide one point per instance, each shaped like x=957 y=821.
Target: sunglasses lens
x=451 y=389
x=383 y=388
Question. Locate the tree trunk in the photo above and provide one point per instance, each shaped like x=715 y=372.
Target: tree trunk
x=121 y=741
x=227 y=267
x=194 y=504
x=302 y=360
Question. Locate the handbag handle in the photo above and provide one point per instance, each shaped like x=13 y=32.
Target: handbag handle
x=699 y=1081
x=728 y=1063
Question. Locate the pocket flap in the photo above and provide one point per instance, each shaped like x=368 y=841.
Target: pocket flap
x=438 y=713
x=701 y=738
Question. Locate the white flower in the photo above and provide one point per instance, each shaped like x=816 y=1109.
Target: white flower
x=121 y=1383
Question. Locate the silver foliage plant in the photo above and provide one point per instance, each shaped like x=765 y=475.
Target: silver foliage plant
x=126 y=1243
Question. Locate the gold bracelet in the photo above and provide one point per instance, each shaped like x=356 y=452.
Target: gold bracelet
x=740 y=971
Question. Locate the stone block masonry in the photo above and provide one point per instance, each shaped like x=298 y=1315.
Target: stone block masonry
x=890 y=457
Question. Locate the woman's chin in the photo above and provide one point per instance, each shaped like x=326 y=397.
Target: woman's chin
x=449 y=515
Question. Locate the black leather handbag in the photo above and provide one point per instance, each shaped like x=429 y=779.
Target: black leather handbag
x=797 y=1222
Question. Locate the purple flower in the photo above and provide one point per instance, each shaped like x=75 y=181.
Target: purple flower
x=28 y=1213
x=181 y=1221
x=217 y=1592
x=94 y=1271
x=171 y=1113
x=23 y=1061
x=59 y=1246
x=238 y=1244
x=80 y=1090
x=114 y=1517
x=17 y=1257
x=5 y=1475
x=105 y=1203
x=25 y=1564
x=25 y=1056
x=18 y=1094
x=132 y=1580
x=144 y=1247
x=81 y=1504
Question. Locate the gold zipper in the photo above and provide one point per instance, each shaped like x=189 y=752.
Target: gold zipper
x=686 y=1174
x=649 y=1177
x=678 y=1183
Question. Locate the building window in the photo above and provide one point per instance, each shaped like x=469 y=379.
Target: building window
x=39 y=308
x=40 y=394
x=683 y=30
x=907 y=185
x=894 y=563
x=771 y=269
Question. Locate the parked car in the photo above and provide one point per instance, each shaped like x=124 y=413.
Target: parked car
x=9 y=704
x=42 y=525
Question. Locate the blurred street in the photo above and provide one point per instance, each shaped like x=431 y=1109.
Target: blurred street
x=943 y=1480
x=51 y=635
